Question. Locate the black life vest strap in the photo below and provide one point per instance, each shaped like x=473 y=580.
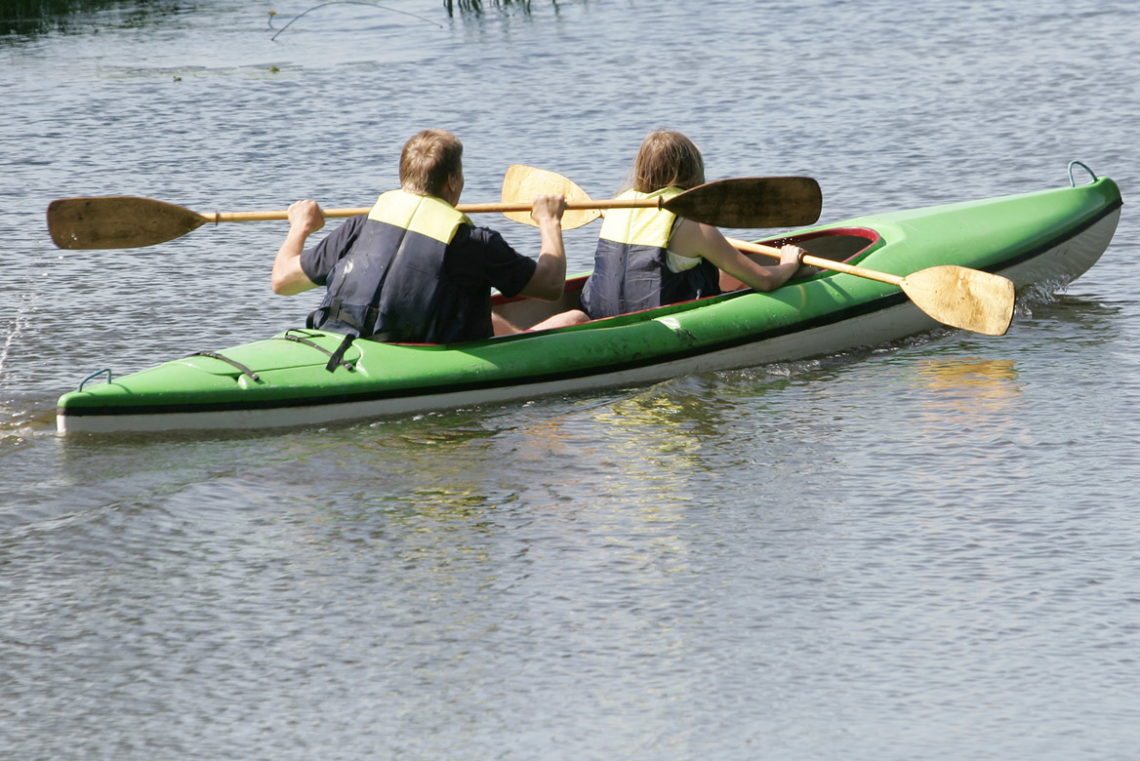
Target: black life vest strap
x=333 y=313
x=337 y=357
x=311 y=320
x=334 y=359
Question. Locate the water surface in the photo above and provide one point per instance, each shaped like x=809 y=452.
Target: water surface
x=924 y=550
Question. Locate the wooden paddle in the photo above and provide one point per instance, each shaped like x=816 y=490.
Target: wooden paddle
x=738 y=202
x=956 y=296
x=97 y=222
x=960 y=297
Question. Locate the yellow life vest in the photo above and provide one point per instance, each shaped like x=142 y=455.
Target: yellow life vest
x=387 y=285
x=631 y=264
x=641 y=226
x=425 y=215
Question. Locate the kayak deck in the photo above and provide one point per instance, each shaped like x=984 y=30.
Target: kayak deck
x=841 y=244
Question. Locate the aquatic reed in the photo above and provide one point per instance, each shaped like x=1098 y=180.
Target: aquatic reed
x=25 y=17
x=476 y=6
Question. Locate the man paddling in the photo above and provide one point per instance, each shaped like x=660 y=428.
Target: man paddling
x=415 y=269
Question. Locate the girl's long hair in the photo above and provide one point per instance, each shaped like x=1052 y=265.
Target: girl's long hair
x=667 y=158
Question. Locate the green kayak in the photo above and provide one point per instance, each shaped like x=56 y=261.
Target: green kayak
x=299 y=377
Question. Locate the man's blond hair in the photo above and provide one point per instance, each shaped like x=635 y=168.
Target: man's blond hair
x=429 y=159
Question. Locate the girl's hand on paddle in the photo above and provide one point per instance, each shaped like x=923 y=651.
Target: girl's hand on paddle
x=548 y=208
x=306 y=216
x=790 y=254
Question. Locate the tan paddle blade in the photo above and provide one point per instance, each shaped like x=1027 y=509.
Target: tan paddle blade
x=751 y=202
x=117 y=222
x=963 y=298
x=524 y=183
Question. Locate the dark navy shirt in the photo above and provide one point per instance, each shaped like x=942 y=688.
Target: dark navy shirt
x=477 y=259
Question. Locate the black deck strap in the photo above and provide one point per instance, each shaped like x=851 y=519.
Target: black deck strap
x=335 y=357
x=214 y=355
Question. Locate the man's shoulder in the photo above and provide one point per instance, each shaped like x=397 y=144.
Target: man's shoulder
x=485 y=240
x=478 y=235
x=318 y=260
x=348 y=228
x=482 y=256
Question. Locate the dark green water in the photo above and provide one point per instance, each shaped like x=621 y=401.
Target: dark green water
x=25 y=18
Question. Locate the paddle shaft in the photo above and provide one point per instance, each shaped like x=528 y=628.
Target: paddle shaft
x=132 y=222
x=816 y=261
x=722 y=203
x=467 y=208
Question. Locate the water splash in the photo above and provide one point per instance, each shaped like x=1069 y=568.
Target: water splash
x=19 y=322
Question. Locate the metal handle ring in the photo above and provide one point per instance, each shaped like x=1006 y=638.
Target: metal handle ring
x=1082 y=165
x=95 y=374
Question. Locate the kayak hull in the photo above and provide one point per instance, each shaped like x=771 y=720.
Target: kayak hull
x=1038 y=240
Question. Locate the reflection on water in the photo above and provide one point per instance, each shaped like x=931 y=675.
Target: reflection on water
x=969 y=402
x=676 y=420
x=659 y=436
x=967 y=387
x=969 y=412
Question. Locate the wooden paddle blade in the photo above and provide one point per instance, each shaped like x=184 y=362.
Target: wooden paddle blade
x=963 y=298
x=751 y=202
x=523 y=183
x=117 y=222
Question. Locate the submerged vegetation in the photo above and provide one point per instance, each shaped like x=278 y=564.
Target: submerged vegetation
x=27 y=17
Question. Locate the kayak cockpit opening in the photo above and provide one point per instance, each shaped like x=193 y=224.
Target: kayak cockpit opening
x=840 y=244
x=844 y=244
